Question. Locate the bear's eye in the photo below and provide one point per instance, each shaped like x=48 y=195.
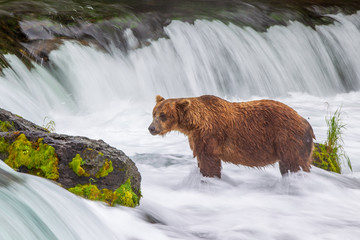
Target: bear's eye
x=162 y=117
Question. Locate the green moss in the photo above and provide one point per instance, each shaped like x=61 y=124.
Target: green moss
x=75 y=165
x=276 y=16
x=39 y=158
x=325 y=158
x=105 y=169
x=88 y=191
x=124 y=195
x=5 y=126
x=91 y=155
x=4 y=145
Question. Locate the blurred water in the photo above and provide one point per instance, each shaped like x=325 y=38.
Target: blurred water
x=111 y=95
x=34 y=208
x=214 y=58
x=203 y=58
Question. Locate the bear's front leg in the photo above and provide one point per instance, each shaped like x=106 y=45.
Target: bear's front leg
x=206 y=150
x=210 y=166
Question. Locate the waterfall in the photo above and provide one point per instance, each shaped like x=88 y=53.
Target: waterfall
x=207 y=57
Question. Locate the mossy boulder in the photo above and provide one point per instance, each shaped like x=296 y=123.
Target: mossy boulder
x=87 y=167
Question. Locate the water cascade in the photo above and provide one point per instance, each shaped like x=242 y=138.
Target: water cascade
x=207 y=57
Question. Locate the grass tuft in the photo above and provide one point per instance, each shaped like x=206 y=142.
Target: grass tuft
x=329 y=155
x=49 y=125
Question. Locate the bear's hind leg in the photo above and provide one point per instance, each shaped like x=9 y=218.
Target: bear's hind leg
x=295 y=154
x=293 y=165
x=210 y=166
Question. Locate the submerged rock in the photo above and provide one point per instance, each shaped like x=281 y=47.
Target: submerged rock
x=87 y=167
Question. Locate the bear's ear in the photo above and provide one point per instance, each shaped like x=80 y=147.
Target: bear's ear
x=159 y=98
x=183 y=104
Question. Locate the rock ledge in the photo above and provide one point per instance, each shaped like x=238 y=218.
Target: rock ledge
x=90 y=168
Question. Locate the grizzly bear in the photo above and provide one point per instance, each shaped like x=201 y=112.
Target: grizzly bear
x=254 y=133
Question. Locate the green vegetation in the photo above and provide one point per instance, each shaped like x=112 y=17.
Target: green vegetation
x=105 y=169
x=3 y=145
x=39 y=158
x=124 y=195
x=328 y=156
x=5 y=126
x=325 y=160
x=49 y=125
x=76 y=164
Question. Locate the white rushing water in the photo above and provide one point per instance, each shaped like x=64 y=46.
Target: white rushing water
x=111 y=95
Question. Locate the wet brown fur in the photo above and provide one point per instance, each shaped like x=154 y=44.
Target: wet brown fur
x=254 y=134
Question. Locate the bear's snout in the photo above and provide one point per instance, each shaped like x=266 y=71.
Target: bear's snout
x=152 y=129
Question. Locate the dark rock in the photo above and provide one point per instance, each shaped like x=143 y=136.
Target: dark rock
x=43 y=36
x=39 y=50
x=18 y=123
x=94 y=154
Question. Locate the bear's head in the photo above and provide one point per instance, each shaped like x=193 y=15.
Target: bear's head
x=167 y=115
